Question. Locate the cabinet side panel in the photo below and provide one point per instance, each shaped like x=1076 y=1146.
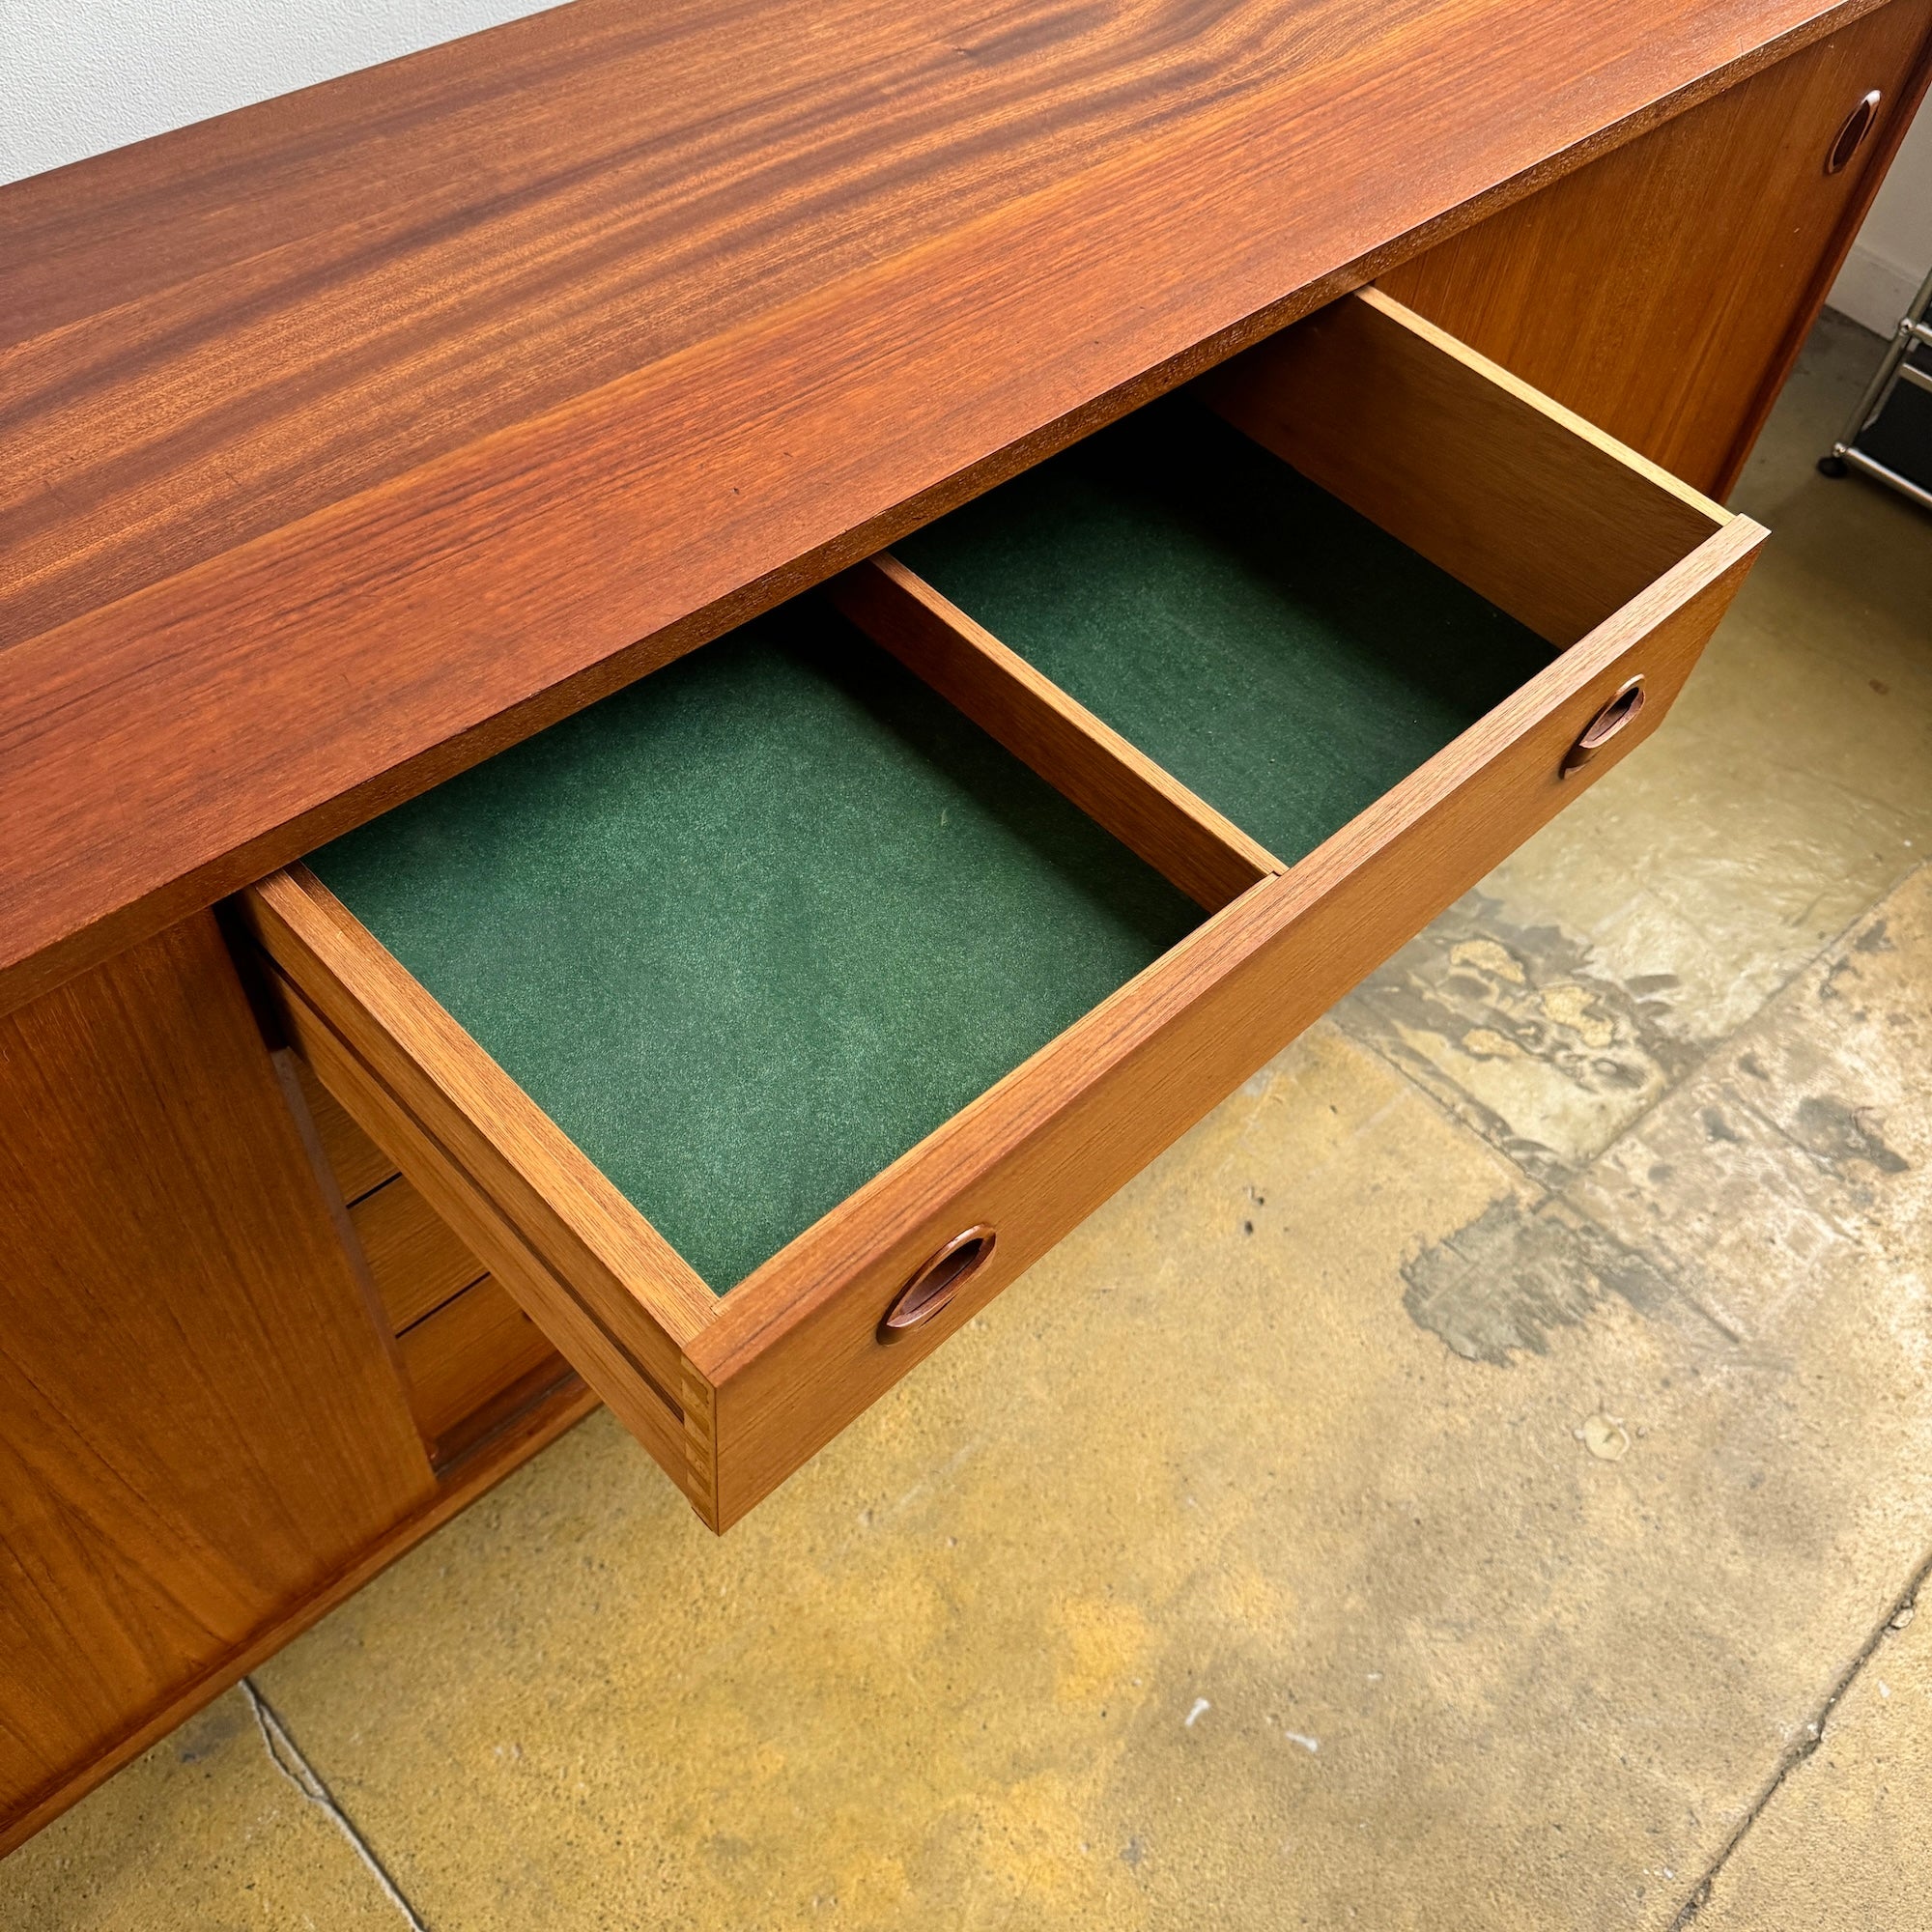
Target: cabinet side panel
x=199 y=1422
x=1665 y=290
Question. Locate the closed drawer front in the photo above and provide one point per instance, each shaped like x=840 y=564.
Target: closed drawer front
x=472 y=1363
x=414 y=1257
x=757 y=1026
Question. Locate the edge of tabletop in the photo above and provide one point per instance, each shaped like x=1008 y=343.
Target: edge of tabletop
x=138 y=811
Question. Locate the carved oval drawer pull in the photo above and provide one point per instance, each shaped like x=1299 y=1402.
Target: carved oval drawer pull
x=1852 y=135
x=1606 y=725
x=939 y=1279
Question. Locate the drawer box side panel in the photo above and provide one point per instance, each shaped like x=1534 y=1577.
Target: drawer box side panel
x=1525 y=503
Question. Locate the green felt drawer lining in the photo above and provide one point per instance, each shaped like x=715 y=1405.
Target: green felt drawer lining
x=755 y=926
x=1284 y=657
x=750 y=929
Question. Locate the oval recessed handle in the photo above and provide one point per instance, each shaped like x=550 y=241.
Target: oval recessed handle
x=1606 y=725
x=1852 y=135
x=940 y=1277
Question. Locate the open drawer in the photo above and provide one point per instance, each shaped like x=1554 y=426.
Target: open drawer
x=757 y=1025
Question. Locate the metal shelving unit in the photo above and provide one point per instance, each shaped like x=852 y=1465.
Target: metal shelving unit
x=1884 y=440
x=1880 y=438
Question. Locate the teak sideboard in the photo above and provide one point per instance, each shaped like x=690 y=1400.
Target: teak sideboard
x=1126 y=513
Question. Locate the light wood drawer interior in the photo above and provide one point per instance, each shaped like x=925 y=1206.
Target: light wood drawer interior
x=933 y=907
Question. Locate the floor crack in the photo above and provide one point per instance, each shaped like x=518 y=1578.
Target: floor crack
x=1795 y=1754
x=286 y=1756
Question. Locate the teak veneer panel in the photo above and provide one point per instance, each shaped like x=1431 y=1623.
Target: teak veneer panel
x=1665 y=289
x=277 y=564
x=496 y=1456
x=201 y=1423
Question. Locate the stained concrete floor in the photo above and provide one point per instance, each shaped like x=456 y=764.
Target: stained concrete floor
x=1479 y=1478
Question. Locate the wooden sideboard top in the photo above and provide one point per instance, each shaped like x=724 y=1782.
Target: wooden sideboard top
x=351 y=436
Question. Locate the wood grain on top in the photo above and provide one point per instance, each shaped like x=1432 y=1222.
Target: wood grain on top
x=347 y=438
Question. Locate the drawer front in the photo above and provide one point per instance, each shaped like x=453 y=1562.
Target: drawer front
x=1621 y=569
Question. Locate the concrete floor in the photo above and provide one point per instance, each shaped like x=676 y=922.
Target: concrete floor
x=1477 y=1479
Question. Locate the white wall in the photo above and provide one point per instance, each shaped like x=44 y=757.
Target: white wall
x=1894 y=250
x=77 y=76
